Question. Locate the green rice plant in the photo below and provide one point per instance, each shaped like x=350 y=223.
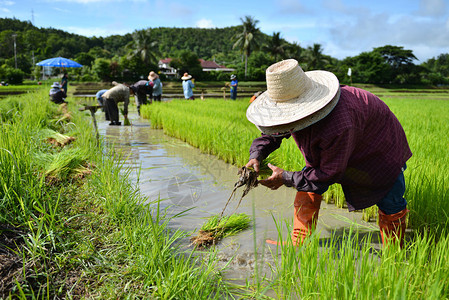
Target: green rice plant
x=218 y=227
x=226 y=225
x=69 y=163
x=346 y=267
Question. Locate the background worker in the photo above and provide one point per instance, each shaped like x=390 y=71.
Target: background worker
x=57 y=95
x=64 y=82
x=141 y=89
x=346 y=135
x=234 y=84
x=101 y=102
x=157 y=86
x=187 y=86
x=119 y=93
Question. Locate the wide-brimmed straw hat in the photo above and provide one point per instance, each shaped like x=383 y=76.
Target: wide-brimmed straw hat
x=152 y=75
x=294 y=99
x=186 y=76
x=56 y=85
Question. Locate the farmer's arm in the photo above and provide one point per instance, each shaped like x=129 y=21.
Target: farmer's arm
x=334 y=157
x=261 y=148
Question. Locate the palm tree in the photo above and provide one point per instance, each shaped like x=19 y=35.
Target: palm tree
x=249 y=39
x=316 y=59
x=295 y=51
x=143 y=45
x=276 y=46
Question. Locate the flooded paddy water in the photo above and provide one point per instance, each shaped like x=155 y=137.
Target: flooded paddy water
x=186 y=179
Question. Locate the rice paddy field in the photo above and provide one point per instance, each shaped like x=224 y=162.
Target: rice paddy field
x=220 y=128
x=74 y=225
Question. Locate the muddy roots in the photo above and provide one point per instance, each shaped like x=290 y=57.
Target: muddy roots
x=205 y=239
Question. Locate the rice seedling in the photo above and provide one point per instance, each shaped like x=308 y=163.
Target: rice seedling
x=218 y=227
x=55 y=138
x=126 y=121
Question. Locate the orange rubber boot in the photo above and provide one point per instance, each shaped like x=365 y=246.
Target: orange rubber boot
x=307 y=207
x=392 y=227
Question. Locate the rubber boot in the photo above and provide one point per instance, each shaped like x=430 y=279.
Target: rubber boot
x=306 y=209
x=392 y=227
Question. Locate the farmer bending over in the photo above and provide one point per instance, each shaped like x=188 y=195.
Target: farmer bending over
x=346 y=135
x=119 y=93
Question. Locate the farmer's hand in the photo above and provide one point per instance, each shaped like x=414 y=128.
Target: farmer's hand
x=275 y=180
x=253 y=163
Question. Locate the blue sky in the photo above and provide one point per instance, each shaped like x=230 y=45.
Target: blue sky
x=343 y=27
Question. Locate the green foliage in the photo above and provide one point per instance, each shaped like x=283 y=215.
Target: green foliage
x=235 y=47
x=187 y=61
x=102 y=69
x=11 y=75
x=226 y=225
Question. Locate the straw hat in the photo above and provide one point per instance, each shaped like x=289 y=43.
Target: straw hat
x=186 y=76
x=294 y=99
x=233 y=77
x=152 y=75
x=56 y=85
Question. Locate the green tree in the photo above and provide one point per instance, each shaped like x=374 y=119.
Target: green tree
x=369 y=67
x=102 y=69
x=400 y=60
x=276 y=46
x=187 y=61
x=249 y=39
x=295 y=51
x=144 y=46
x=315 y=58
x=84 y=58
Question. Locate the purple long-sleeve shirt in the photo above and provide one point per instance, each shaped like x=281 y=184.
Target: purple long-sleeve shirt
x=360 y=145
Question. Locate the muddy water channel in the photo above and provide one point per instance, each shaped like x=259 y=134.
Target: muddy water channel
x=186 y=179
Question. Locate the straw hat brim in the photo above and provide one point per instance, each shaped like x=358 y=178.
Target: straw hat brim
x=266 y=113
x=186 y=77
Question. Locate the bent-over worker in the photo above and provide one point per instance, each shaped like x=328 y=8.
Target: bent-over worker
x=119 y=93
x=346 y=135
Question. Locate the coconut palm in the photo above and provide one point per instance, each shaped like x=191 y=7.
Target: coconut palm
x=249 y=39
x=295 y=51
x=315 y=58
x=276 y=46
x=144 y=46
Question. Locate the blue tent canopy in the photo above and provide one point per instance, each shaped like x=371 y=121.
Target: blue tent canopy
x=59 y=62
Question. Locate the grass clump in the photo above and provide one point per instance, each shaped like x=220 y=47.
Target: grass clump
x=218 y=227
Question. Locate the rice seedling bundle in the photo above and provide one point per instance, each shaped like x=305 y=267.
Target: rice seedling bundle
x=218 y=227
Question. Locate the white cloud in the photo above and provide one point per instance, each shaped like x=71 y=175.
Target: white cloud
x=7 y=3
x=205 y=23
x=95 y=31
x=5 y=10
x=366 y=32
